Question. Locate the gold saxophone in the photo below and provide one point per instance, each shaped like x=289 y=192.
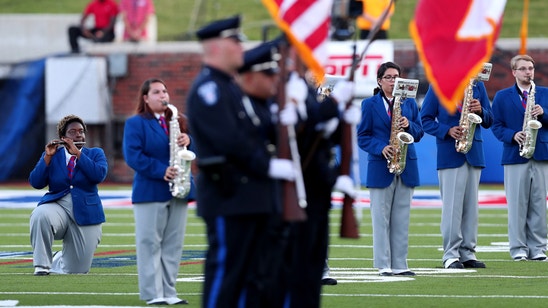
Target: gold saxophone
x=530 y=126
x=179 y=157
x=399 y=140
x=468 y=121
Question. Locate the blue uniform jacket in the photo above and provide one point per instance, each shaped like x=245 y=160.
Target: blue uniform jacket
x=146 y=150
x=374 y=134
x=437 y=121
x=232 y=152
x=509 y=114
x=91 y=169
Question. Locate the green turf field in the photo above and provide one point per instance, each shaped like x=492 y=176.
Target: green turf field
x=113 y=280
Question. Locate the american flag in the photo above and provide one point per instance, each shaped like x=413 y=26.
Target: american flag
x=454 y=39
x=306 y=24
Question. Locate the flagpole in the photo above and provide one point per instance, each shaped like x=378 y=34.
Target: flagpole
x=524 y=28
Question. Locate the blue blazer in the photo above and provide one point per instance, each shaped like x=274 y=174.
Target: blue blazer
x=437 y=121
x=509 y=114
x=374 y=134
x=146 y=151
x=91 y=169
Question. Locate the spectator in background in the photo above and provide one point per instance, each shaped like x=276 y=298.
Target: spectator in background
x=372 y=11
x=136 y=15
x=104 y=12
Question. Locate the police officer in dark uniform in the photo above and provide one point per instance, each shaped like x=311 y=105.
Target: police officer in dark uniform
x=236 y=185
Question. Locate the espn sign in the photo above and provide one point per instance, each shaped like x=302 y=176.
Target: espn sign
x=339 y=62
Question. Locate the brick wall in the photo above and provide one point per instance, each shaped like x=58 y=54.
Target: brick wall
x=179 y=68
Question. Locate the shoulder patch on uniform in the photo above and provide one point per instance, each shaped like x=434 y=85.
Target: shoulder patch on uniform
x=208 y=93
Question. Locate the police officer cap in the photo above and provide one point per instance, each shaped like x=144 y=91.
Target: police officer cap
x=225 y=28
x=263 y=58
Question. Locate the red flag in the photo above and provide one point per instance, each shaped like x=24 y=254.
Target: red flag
x=306 y=24
x=454 y=39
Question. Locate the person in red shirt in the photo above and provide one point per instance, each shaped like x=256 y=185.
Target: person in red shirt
x=105 y=12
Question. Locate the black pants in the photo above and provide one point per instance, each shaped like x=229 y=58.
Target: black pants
x=74 y=32
x=244 y=254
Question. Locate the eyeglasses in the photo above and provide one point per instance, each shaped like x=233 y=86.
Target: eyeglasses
x=73 y=132
x=523 y=69
x=388 y=77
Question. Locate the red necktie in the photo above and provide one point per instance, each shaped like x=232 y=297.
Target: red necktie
x=164 y=124
x=524 y=99
x=70 y=166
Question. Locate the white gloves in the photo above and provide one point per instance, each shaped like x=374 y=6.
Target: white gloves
x=281 y=169
x=296 y=92
x=343 y=92
x=352 y=115
x=288 y=115
x=329 y=127
x=345 y=184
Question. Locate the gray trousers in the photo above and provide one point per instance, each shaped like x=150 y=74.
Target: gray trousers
x=159 y=235
x=525 y=189
x=459 y=214
x=390 y=210
x=55 y=221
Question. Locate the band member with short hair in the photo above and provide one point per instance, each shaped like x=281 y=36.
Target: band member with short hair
x=524 y=178
x=71 y=210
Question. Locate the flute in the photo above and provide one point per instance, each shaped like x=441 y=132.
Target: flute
x=76 y=143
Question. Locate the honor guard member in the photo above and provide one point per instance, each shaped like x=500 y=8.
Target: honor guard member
x=236 y=190
x=318 y=133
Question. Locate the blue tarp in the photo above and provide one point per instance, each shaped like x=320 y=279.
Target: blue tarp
x=22 y=120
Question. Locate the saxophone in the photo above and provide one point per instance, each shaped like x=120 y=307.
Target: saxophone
x=468 y=121
x=179 y=157
x=399 y=140
x=530 y=126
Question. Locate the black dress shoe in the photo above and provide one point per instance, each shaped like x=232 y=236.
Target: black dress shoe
x=329 y=281
x=385 y=274
x=456 y=264
x=175 y=301
x=473 y=264
x=406 y=273
x=541 y=258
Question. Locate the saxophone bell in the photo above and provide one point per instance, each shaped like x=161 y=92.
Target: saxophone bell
x=527 y=149
x=464 y=144
x=180 y=158
x=468 y=121
x=396 y=166
x=530 y=126
x=399 y=140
